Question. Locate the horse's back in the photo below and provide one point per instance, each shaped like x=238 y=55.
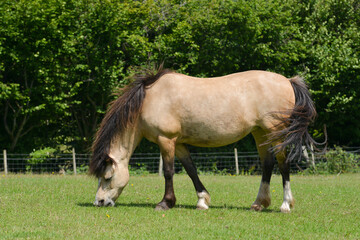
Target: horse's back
x=213 y=111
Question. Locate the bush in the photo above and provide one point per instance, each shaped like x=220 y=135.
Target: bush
x=140 y=169
x=340 y=161
x=336 y=161
x=38 y=157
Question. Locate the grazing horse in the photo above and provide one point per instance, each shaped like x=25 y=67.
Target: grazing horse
x=173 y=110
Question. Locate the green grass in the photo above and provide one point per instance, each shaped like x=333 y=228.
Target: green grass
x=60 y=207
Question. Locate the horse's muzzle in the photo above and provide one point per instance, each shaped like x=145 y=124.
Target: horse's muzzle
x=104 y=203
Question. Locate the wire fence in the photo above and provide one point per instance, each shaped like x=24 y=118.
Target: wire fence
x=206 y=162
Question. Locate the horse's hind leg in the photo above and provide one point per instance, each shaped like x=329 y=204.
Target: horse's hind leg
x=184 y=156
x=167 y=148
x=284 y=166
x=267 y=163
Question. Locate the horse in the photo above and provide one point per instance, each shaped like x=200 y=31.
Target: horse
x=174 y=110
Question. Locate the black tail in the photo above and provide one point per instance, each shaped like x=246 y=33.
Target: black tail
x=122 y=113
x=295 y=135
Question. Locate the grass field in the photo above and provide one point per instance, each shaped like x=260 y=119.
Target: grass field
x=60 y=207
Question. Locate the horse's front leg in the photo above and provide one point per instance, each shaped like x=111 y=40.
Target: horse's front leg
x=167 y=148
x=203 y=195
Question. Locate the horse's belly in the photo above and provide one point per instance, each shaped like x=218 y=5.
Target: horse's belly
x=212 y=134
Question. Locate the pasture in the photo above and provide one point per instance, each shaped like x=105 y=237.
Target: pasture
x=60 y=207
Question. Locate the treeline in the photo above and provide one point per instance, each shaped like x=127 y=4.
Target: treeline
x=61 y=60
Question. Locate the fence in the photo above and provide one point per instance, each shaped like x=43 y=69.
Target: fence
x=214 y=162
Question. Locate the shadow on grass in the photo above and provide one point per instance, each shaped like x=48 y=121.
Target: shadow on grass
x=180 y=206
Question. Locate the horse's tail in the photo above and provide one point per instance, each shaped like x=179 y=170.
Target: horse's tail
x=122 y=113
x=295 y=134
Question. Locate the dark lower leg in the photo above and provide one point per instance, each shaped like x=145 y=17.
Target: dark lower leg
x=202 y=193
x=192 y=172
x=285 y=172
x=184 y=156
x=167 y=148
x=169 y=199
x=203 y=196
x=267 y=167
x=263 y=198
x=267 y=163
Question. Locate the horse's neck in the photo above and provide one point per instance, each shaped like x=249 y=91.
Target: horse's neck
x=123 y=145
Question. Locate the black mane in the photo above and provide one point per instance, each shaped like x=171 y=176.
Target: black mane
x=122 y=113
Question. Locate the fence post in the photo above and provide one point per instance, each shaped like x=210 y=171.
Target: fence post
x=306 y=156
x=74 y=160
x=312 y=156
x=160 y=166
x=236 y=161
x=5 y=162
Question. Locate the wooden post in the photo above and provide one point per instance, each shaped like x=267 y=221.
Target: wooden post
x=236 y=161
x=74 y=160
x=312 y=156
x=160 y=166
x=306 y=156
x=5 y=163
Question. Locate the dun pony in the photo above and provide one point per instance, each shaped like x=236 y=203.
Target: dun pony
x=174 y=110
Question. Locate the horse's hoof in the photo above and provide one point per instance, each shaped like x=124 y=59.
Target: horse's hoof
x=285 y=207
x=202 y=207
x=161 y=207
x=203 y=201
x=256 y=207
x=285 y=210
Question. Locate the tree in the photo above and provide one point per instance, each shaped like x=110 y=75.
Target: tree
x=61 y=60
x=331 y=33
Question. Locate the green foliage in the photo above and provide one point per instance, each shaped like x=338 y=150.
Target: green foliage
x=336 y=161
x=68 y=169
x=331 y=34
x=213 y=170
x=140 y=169
x=60 y=60
x=83 y=168
x=39 y=156
x=340 y=161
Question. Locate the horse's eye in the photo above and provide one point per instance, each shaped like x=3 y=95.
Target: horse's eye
x=108 y=178
x=108 y=175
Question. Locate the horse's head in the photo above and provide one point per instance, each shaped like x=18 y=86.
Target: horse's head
x=111 y=183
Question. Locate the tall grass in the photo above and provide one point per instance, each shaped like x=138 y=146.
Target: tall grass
x=60 y=207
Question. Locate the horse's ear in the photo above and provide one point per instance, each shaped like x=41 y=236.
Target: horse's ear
x=109 y=171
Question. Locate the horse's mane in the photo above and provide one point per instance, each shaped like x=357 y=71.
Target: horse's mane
x=122 y=113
